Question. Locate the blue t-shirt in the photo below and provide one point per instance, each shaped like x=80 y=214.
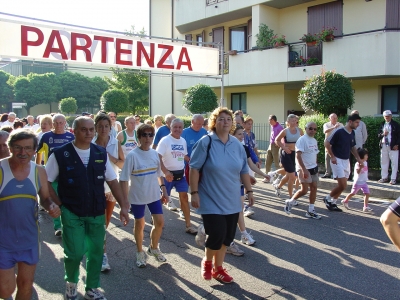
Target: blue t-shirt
x=192 y=136
x=163 y=131
x=342 y=141
x=51 y=140
x=219 y=188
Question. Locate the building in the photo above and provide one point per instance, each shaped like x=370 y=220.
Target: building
x=365 y=49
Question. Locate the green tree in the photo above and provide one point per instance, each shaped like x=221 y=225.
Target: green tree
x=68 y=105
x=114 y=100
x=200 y=98
x=327 y=93
x=6 y=88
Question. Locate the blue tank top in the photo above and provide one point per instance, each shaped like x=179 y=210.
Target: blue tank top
x=18 y=209
x=291 y=138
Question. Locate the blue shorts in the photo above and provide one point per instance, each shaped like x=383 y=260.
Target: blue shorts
x=9 y=259
x=180 y=185
x=154 y=207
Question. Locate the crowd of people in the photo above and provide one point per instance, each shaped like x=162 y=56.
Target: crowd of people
x=79 y=176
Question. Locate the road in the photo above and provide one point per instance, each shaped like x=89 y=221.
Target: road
x=342 y=256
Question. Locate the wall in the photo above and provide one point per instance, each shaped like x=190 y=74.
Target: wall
x=363 y=16
x=262 y=14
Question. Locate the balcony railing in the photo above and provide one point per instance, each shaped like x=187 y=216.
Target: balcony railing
x=213 y=2
x=303 y=55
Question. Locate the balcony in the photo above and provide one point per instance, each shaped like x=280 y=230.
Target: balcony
x=364 y=55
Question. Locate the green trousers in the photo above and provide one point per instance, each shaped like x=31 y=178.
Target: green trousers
x=56 y=221
x=83 y=236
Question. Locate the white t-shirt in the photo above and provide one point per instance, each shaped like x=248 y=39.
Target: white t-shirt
x=173 y=152
x=52 y=165
x=309 y=150
x=363 y=176
x=142 y=168
x=34 y=127
x=328 y=126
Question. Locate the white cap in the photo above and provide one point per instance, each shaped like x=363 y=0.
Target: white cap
x=387 y=113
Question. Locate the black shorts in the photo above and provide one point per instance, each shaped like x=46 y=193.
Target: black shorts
x=221 y=229
x=288 y=161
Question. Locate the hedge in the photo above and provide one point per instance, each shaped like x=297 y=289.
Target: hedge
x=372 y=143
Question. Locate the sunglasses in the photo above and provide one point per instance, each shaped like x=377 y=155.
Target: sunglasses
x=144 y=134
x=311 y=128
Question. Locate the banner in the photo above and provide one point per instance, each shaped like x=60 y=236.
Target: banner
x=75 y=46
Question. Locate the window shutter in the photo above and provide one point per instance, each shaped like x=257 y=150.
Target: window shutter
x=188 y=37
x=218 y=35
x=249 y=33
x=392 y=14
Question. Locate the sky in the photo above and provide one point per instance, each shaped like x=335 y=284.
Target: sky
x=116 y=15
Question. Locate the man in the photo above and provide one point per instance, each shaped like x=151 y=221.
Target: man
x=173 y=151
x=82 y=168
x=164 y=130
x=328 y=128
x=307 y=168
x=4 y=151
x=137 y=120
x=21 y=181
x=389 y=141
x=31 y=124
x=127 y=137
x=339 y=145
x=361 y=138
x=273 y=149
x=390 y=220
x=10 y=121
x=193 y=133
x=48 y=142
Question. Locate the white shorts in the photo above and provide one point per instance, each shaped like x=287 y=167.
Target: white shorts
x=341 y=169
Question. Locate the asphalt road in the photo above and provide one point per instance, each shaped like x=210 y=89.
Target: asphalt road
x=342 y=256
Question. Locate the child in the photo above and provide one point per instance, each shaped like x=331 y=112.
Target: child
x=360 y=181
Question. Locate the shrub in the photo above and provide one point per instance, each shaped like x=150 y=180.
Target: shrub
x=68 y=105
x=115 y=100
x=200 y=99
x=327 y=93
x=265 y=37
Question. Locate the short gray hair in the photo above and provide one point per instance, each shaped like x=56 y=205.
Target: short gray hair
x=169 y=118
x=177 y=120
x=197 y=116
x=58 y=116
x=79 y=119
x=12 y=114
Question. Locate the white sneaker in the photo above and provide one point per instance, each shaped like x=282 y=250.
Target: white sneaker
x=94 y=294
x=141 y=259
x=200 y=238
x=171 y=206
x=367 y=209
x=181 y=215
x=277 y=181
x=278 y=191
x=105 y=266
x=248 y=211
x=265 y=180
x=295 y=203
x=234 y=250
x=157 y=254
x=247 y=239
x=271 y=174
x=70 y=291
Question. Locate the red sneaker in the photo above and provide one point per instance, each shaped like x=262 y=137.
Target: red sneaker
x=206 y=269
x=221 y=275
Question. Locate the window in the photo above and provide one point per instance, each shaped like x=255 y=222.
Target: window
x=238 y=101
x=199 y=39
x=238 y=38
x=391 y=98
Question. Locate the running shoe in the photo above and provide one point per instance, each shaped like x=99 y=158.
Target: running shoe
x=278 y=190
x=141 y=259
x=181 y=215
x=157 y=254
x=200 y=238
x=393 y=182
x=277 y=181
x=58 y=232
x=221 y=275
x=328 y=203
x=247 y=239
x=191 y=230
x=345 y=204
x=105 y=266
x=94 y=294
x=295 y=203
x=313 y=215
x=336 y=208
x=383 y=180
x=171 y=206
x=206 y=269
x=234 y=250
x=247 y=211
x=71 y=292
x=265 y=180
x=288 y=206
x=367 y=209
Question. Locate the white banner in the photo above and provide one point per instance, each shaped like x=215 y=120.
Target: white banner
x=69 y=46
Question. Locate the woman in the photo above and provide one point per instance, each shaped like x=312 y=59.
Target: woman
x=290 y=135
x=46 y=124
x=218 y=201
x=102 y=125
x=143 y=168
x=116 y=125
x=158 y=122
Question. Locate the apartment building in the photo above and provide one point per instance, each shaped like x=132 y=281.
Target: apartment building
x=262 y=82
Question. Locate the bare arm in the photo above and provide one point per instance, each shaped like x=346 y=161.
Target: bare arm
x=194 y=177
x=168 y=174
x=49 y=203
x=38 y=159
x=390 y=223
x=255 y=169
x=328 y=148
x=306 y=173
x=278 y=139
x=247 y=185
x=121 y=199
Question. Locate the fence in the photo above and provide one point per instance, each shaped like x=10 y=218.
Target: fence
x=262 y=131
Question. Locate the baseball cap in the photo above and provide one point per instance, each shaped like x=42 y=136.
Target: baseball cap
x=387 y=113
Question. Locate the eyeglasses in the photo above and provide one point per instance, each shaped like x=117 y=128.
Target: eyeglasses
x=144 y=134
x=311 y=128
x=19 y=148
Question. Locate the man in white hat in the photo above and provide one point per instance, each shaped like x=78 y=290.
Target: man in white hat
x=389 y=141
